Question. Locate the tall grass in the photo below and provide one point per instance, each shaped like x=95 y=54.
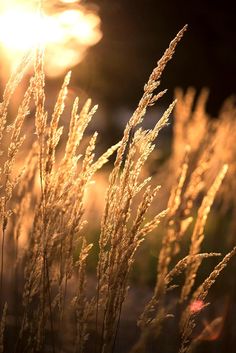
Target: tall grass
x=46 y=305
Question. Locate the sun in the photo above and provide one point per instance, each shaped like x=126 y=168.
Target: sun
x=66 y=29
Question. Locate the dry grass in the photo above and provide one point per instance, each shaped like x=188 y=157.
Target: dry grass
x=50 y=308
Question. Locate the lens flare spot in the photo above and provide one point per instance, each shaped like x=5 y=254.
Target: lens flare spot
x=196 y=306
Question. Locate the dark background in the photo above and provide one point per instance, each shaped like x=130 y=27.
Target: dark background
x=135 y=34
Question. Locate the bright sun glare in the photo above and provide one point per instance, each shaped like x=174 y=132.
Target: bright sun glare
x=67 y=30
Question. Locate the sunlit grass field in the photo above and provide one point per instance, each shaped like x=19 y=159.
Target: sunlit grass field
x=98 y=253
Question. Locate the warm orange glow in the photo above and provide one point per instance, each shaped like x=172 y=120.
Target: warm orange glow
x=66 y=32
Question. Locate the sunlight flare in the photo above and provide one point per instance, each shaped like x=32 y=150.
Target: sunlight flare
x=66 y=30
